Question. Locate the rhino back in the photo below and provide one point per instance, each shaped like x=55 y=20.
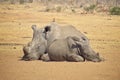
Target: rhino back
x=70 y=30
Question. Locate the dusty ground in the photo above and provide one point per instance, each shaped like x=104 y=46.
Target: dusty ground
x=15 y=31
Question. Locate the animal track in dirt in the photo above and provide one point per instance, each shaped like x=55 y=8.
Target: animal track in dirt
x=26 y=37
x=11 y=44
x=112 y=40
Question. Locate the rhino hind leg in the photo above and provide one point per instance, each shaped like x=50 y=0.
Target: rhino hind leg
x=45 y=57
x=75 y=58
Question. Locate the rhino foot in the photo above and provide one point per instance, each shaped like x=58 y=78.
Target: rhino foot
x=45 y=57
x=75 y=58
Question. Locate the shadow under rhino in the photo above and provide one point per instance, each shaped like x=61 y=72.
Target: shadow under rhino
x=59 y=43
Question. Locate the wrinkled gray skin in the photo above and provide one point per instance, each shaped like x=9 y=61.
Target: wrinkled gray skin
x=37 y=47
x=56 y=34
x=63 y=50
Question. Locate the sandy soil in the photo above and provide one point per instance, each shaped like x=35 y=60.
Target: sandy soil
x=15 y=31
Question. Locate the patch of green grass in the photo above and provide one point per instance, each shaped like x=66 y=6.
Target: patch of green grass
x=22 y=1
x=30 y=1
x=90 y=8
x=115 y=11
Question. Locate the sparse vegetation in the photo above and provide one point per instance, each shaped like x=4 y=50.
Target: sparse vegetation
x=58 y=8
x=30 y=1
x=115 y=11
x=90 y=8
x=74 y=6
x=73 y=10
x=47 y=9
x=22 y=1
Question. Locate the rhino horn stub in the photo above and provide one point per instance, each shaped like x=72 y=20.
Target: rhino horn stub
x=75 y=38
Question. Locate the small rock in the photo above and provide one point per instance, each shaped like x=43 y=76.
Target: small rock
x=85 y=32
x=19 y=23
x=14 y=47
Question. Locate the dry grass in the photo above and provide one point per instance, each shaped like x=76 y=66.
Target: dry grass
x=15 y=27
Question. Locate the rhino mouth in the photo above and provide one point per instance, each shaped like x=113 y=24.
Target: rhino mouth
x=26 y=58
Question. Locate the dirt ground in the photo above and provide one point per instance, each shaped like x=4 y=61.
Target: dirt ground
x=103 y=32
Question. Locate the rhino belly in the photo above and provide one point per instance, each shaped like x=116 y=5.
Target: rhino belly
x=58 y=50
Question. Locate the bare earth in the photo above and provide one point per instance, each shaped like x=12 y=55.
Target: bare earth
x=15 y=31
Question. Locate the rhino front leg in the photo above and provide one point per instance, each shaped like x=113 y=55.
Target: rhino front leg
x=45 y=57
x=75 y=58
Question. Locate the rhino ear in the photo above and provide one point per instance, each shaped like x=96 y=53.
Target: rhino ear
x=53 y=20
x=71 y=42
x=75 y=38
x=33 y=27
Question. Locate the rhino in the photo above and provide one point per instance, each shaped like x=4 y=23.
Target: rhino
x=48 y=39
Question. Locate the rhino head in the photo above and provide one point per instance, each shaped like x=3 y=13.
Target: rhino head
x=37 y=47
